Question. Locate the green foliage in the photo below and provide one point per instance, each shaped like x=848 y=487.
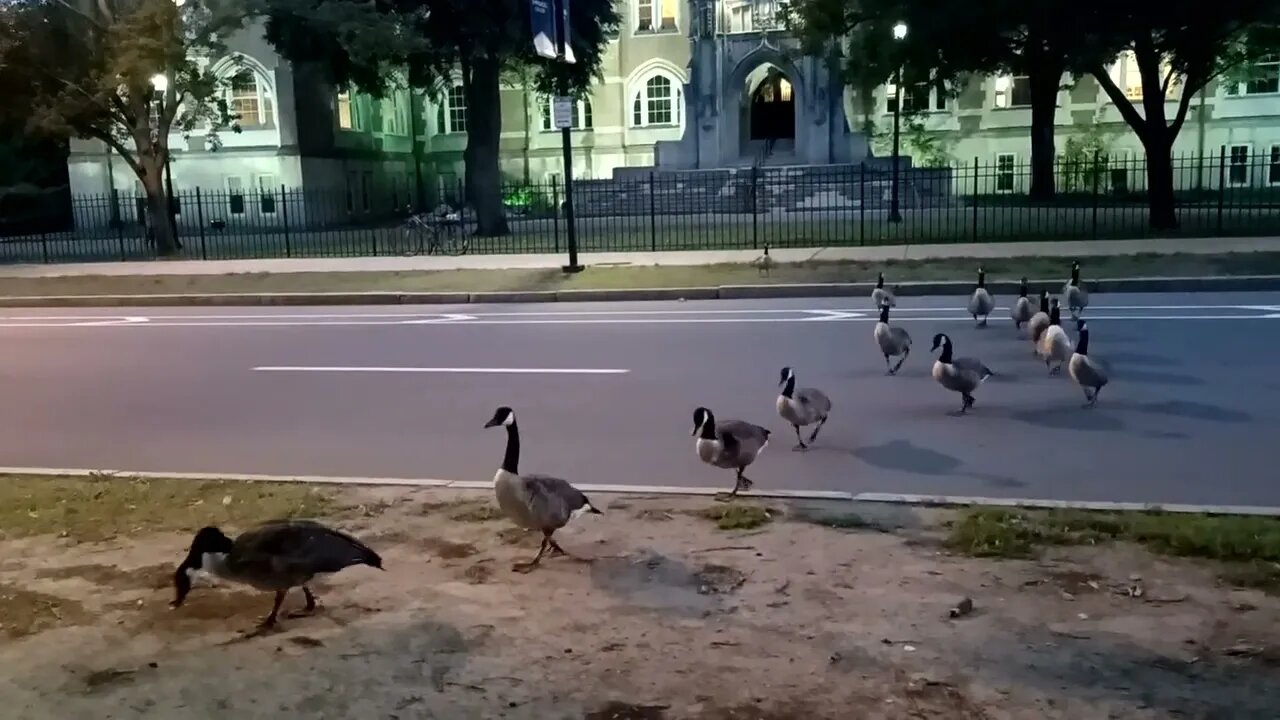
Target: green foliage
x=1083 y=161
x=927 y=148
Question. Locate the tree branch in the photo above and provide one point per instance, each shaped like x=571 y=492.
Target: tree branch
x=106 y=137
x=1126 y=109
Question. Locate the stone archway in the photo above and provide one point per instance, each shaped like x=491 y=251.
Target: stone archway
x=772 y=109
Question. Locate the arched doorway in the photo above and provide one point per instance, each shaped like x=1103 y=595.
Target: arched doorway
x=773 y=109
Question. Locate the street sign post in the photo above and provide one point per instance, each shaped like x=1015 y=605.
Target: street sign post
x=549 y=20
x=562 y=113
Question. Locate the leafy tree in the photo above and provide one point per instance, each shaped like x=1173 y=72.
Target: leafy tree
x=1179 y=47
x=1084 y=155
x=85 y=69
x=478 y=41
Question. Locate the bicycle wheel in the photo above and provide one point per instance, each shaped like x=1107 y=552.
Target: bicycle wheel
x=454 y=240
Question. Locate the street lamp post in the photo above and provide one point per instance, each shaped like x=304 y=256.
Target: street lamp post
x=899 y=34
x=160 y=82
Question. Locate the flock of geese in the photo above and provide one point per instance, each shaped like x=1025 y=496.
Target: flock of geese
x=284 y=554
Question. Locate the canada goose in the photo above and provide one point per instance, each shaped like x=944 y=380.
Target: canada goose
x=981 y=303
x=962 y=375
x=1077 y=297
x=1089 y=372
x=764 y=262
x=1038 y=322
x=881 y=297
x=534 y=502
x=732 y=444
x=273 y=557
x=893 y=341
x=1021 y=310
x=1055 y=346
x=802 y=407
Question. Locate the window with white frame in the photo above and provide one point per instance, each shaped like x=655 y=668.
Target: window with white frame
x=1273 y=166
x=657 y=102
x=235 y=195
x=656 y=15
x=917 y=97
x=1013 y=91
x=582 y=119
x=394 y=121
x=1238 y=165
x=1006 y=168
x=1128 y=77
x=267 y=188
x=249 y=99
x=451 y=113
x=1263 y=78
x=346 y=111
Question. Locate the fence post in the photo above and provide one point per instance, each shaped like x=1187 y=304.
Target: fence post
x=284 y=213
x=204 y=251
x=1097 y=173
x=974 y=200
x=862 y=202
x=115 y=200
x=44 y=246
x=1222 y=185
x=653 y=216
x=555 y=214
x=755 y=210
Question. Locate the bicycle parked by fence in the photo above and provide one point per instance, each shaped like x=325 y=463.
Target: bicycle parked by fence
x=442 y=231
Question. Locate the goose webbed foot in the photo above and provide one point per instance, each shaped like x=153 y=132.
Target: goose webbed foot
x=525 y=567
x=268 y=623
x=799 y=446
x=814 y=435
x=310 y=606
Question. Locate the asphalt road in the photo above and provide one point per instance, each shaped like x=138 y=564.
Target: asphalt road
x=393 y=392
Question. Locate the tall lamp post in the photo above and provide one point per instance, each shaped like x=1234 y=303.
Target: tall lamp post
x=160 y=82
x=899 y=34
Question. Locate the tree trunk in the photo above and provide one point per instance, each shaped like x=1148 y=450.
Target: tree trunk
x=1162 y=208
x=484 y=131
x=1044 y=79
x=159 y=224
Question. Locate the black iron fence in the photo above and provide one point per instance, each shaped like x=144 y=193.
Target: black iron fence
x=1231 y=194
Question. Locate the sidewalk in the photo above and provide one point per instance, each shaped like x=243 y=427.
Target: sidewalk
x=1077 y=248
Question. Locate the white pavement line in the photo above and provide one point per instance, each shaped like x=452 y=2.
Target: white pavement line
x=871 y=497
x=960 y=500
x=473 y=370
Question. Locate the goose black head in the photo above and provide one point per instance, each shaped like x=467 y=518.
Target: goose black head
x=880 y=280
x=1080 y=325
x=701 y=417
x=940 y=340
x=1082 y=342
x=884 y=313
x=1075 y=272
x=502 y=416
x=1022 y=288
x=785 y=376
x=982 y=277
x=1044 y=301
x=209 y=541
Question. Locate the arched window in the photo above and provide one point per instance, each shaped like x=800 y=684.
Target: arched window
x=582 y=119
x=451 y=112
x=249 y=99
x=657 y=102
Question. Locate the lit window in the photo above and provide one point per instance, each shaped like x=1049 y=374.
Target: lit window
x=1238 y=165
x=249 y=100
x=1128 y=77
x=658 y=103
x=345 y=114
x=581 y=115
x=1013 y=91
x=1005 y=168
x=655 y=15
x=451 y=115
x=918 y=97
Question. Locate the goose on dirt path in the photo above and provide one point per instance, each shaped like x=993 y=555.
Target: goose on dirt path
x=1089 y=372
x=981 y=302
x=732 y=444
x=962 y=375
x=802 y=407
x=273 y=557
x=881 y=297
x=534 y=502
x=1077 y=297
x=1021 y=311
x=1055 y=346
x=892 y=340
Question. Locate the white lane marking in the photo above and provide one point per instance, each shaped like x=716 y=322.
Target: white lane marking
x=871 y=497
x=826 y=315
x=447 y=317
x=72 y=321
x=464 y=370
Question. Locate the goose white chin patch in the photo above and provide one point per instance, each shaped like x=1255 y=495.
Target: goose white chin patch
x=509 y=419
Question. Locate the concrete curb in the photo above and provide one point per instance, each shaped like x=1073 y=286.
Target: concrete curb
x=1243 y=283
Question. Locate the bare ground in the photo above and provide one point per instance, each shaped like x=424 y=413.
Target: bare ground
x=665 y=618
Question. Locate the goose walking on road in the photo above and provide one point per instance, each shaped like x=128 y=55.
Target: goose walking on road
x=273 y=557
x=1090 y=373
x=732 y=444
x=1038 y=322
x=1077 y=297
x=962 y=375
x=1055 y=346
x=534 y=502
x=802 y=407
x=881 y=297
x=981 y=302
x=1021 y=311
x=893 y=341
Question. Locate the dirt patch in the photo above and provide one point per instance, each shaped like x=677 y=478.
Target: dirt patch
x=669 y=619
x=24 y=612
